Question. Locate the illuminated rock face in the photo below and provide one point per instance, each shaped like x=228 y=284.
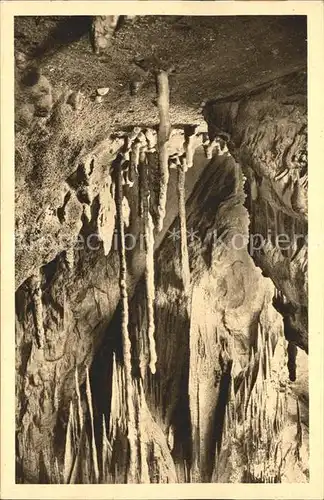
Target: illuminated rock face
x=269 y=134
x=211 y=337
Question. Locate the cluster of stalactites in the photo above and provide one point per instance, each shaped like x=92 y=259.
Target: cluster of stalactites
x=133 y=162
x=175 y=149
x=179 y=147
x=127 y=356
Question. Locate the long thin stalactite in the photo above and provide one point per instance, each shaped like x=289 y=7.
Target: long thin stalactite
x=163 y=137
x=183 y=224
x=131 y=423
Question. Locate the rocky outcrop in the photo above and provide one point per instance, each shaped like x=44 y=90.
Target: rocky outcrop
x=269 y=139
x=73 y=293
x=221 y=378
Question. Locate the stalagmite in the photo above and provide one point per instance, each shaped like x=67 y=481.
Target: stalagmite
x=103 y=28
x=57 y=471
x=299 y=434
x=36 y=293
x=142 y=410
x=93 y=441
x=163 y=137
x=260 y=338
x=106 y=452
x=130 y=410
x=183 y=227
x=142 y=171
x=69 y=451
x=77 y=390
x=130 y=156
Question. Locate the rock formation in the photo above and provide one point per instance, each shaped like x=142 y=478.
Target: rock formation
x=161 y=330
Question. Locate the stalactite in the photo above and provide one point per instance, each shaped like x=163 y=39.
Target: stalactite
x=36 y=293
x=189 y=145
x=93 y=441
x=115 y=396
x=142 y=179
x=149 y=266
x=150 y=291
x=209 y=147
x=183 y=227
x=163 y=137
x=131 y=426
x=151 y=137
x=245 y=397
x=136 y=146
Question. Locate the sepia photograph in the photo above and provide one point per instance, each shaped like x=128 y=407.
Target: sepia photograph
x=161 y=329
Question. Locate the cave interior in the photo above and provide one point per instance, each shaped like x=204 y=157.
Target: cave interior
x=161 y=326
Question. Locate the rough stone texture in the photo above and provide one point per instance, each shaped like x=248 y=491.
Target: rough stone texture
x=205 y=340
x=63 y=191
x=269 y=135
x=79 y=293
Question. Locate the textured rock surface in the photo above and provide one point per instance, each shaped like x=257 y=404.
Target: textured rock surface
x=206 y=338
x=67 y=295
x=269 y=134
